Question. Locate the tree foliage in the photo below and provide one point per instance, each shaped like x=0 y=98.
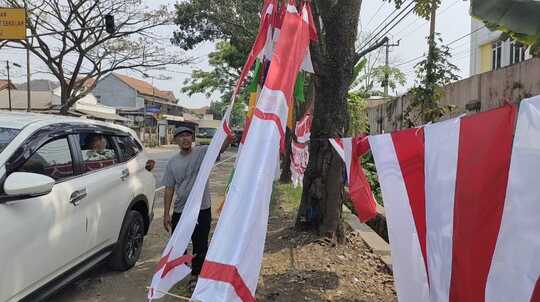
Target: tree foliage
x=432 y=76
x=69 y=37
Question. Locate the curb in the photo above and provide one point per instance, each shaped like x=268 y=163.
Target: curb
x=375 y=243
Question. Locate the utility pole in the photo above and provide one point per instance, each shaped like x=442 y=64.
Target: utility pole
x=429 y=72
x=9 y=82
x=386 y=73
x=8 y=85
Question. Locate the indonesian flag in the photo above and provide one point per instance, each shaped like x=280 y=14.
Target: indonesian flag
x=351 y=150
x=233 y=262
x=172 y=266
x=463 y=206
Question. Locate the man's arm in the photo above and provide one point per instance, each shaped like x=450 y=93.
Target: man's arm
x=226 y=144
x=167 y=201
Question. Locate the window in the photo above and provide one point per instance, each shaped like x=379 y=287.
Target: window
x=97 y=151
x=6 y=136
x=517 y=52
x=129 y=147
x=52 y=159
x=496 y=55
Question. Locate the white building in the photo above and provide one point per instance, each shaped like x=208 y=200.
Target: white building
x=489 y=52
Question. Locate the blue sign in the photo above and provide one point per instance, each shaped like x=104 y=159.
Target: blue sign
x=153 y=109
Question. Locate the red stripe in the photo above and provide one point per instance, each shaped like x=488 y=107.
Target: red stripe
x=228 y=274
x=227 y=130
x=272 y=117
x=536 y=293
x=409 y=145
x=163 y=261
x=361 y=194
x=485 y=145
x=176 y=263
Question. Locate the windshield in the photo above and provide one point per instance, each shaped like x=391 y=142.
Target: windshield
x=6 y=136
x=206 y=132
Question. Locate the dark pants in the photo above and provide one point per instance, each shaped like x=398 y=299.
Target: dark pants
x=199 y=238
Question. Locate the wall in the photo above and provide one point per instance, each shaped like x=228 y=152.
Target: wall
x=111 y=91
x=478 y=93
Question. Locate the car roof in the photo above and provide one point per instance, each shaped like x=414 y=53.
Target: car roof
x=20 y=120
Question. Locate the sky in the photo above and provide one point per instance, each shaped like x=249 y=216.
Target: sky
x=453 y=22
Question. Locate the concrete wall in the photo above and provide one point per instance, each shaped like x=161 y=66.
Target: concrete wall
x=111 y=91
x=478 y=93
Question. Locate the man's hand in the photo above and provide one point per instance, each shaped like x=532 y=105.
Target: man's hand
x=167 y=222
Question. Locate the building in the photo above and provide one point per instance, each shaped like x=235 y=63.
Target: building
x=491 y=50
x=154 y=113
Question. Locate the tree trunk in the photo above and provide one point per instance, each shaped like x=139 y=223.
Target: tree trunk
x=64 y=100
x=334 y=59
x=286 y=174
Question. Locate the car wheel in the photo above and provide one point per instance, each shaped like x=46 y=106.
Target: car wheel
x=127 y=250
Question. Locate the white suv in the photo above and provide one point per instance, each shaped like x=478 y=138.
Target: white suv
x=72 y=193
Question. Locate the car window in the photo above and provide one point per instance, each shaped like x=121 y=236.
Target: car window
x=129 y=148
x=52 y=159
x=98 y=151
x=6 y=136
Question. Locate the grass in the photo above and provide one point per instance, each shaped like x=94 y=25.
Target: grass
x=288 y=196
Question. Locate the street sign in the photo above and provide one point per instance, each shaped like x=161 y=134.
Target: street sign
x=12 y=24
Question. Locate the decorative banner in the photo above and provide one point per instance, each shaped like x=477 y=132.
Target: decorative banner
x=462 y=206
x=299 y=162
x=233 y=262
x=303 y=128
x=351 y=150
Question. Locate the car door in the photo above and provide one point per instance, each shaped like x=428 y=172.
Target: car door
x=102 y=174
x=44 y=236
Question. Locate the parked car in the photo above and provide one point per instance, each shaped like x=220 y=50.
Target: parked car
x=73 y=192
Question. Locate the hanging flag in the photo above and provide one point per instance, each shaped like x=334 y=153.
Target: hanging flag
x=299 y=162
x=263 y=41
x=351 y=150
x=303 y=128
x=233 y=262
x=173 y=265
x=462 y=206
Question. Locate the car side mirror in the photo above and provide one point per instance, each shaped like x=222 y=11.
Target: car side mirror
x=22 y=183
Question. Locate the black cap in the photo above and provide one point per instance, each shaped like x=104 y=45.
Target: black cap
x=179 y=130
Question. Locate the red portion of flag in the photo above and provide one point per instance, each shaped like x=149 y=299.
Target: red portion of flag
x=228 y=274
x=409 y=145
x=361 y=195
x=485 y=145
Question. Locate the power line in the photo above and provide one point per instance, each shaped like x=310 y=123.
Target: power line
x=376 y=13
x=372 y=36
x=425 y=22
x=393 y=26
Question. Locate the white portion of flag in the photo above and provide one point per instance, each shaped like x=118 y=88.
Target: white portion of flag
x=515 y=267
x=410 y=276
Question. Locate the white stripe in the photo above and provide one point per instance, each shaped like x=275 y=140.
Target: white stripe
x=409 y=270
x=515 y=266
x=441 y=156
x=240 y=242
x=347 y=155
x=274 y=101
x=338 y=147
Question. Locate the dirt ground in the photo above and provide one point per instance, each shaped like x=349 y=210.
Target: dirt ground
x=296 y=266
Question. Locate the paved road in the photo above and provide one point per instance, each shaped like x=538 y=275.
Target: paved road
x=101 y=284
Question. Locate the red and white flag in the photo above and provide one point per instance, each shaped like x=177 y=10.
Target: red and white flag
x=303 y=129
x=351 y=150
x=299 y=162
x=233 y=262
x=463 y=207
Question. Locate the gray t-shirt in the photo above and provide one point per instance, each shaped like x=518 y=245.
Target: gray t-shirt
x=181 y=172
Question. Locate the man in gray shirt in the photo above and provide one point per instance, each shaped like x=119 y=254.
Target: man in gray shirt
x=180 y=175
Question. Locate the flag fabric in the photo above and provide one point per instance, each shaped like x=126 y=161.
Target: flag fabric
x=173 y=265
x=351 y=150
x=462 y=205
x=232 y=265
x=299 y=162
x=302 y=130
